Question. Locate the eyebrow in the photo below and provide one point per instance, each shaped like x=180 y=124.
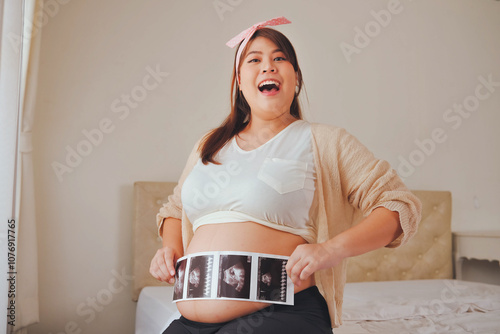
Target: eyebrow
x=260 y=52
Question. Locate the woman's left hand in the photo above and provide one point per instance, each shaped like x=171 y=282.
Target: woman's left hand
x=306 y=259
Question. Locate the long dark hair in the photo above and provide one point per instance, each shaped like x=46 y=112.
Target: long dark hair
x=213 y=141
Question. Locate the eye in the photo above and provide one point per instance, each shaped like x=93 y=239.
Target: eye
x=253 y=60
x=280 y=58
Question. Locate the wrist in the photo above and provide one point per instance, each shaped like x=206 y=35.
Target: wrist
x=337 y=247
x=176 y=249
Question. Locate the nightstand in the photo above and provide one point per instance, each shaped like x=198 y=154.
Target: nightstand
x=479 y=245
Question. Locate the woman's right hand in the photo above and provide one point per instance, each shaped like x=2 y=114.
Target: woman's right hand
x=163 y=265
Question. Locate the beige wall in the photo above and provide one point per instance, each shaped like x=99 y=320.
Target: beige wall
x=395 y=90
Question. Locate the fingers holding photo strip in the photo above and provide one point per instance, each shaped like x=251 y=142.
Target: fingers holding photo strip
x=233 y=275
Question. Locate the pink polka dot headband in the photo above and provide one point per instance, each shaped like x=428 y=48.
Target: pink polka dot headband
x=246 y=34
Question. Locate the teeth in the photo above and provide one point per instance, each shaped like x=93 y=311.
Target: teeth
x=269 y=82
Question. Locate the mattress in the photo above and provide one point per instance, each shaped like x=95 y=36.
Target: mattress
x=420 y=306
x=413 y=306
x=155 y=310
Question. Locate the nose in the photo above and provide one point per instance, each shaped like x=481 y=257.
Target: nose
x=268 y=66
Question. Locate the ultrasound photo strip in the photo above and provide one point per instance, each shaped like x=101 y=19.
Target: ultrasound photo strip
x=233 y=276
x=272 y=284
x=199 y=280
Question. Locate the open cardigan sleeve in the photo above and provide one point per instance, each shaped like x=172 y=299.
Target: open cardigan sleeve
x=371 y=183
x=173 y=207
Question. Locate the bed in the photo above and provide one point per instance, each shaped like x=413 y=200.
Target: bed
x=406 y=290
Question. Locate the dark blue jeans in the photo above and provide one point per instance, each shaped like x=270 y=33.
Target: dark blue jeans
x=309 y=314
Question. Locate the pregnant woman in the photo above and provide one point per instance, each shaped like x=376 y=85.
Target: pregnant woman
x=268 y=181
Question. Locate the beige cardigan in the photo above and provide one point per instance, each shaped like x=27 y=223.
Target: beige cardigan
x=351 y=183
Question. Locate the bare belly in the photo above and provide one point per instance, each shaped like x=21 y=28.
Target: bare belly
x=245 y=237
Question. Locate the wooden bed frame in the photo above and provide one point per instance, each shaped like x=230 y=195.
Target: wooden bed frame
x=428 y=255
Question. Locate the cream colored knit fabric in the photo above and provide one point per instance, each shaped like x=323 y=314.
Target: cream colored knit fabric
x=351 y=183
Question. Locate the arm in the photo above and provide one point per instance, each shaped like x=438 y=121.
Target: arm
x=163 y=263
x=378 y=229
x=173 y=207
x=169 y=223
x=372 y=188
x=171 y=234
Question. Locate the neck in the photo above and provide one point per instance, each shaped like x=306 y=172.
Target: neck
x=258 y=126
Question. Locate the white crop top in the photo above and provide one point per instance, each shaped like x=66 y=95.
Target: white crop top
x=272 y=185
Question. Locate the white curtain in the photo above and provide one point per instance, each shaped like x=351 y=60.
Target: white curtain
x=20 y=31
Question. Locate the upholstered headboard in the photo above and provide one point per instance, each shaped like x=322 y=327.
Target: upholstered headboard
x=148 y=198
x=427 y=255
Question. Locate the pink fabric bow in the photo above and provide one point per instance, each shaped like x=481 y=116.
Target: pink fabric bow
x=246 y=34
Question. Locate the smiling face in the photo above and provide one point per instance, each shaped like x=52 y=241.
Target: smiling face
x=267 y=79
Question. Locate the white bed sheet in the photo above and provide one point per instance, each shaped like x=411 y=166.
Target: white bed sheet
x=421 y=306
x=155 y=310
x=418 y=306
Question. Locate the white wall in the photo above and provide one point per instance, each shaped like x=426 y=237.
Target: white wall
x=395 y=91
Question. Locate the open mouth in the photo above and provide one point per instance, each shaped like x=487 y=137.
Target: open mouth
x=269 y=87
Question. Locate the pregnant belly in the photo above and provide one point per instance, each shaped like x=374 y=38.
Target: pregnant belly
x=244 y=237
